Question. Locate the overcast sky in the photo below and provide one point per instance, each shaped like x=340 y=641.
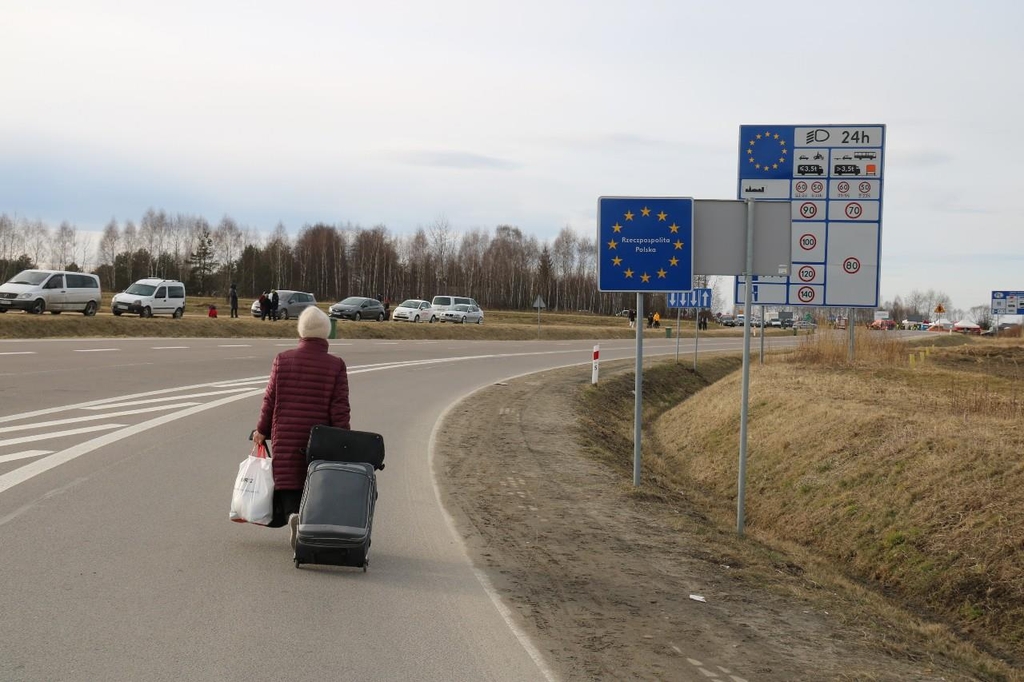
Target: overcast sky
x=510 y=113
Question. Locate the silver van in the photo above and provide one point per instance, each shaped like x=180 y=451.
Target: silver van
x=37 y=291
x=443 y=303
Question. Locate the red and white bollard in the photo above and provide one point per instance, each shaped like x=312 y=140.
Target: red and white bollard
x=597 y=353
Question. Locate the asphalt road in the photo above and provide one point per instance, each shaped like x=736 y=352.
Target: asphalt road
x=117 y=458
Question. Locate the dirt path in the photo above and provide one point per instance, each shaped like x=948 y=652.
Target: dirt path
x=601 y=577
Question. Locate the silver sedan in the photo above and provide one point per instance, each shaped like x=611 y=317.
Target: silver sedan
x=461 y=314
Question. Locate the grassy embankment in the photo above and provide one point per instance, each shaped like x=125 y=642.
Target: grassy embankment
x=498 y=325
x=903 y=484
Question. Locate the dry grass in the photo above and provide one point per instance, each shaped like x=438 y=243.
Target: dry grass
x=907 y=481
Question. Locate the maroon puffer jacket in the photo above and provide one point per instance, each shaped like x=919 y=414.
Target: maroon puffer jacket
x=308 y=386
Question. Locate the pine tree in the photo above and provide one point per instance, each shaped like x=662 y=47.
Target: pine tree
x=202 y=261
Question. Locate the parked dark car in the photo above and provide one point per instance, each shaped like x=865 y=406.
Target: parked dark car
x=358 y=308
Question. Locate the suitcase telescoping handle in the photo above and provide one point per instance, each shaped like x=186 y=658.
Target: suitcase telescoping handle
x=266 y=444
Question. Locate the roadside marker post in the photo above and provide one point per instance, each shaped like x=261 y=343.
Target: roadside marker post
x=597 y=361
x=539 y=305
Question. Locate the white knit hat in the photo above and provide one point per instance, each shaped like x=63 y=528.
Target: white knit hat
x=314 y=324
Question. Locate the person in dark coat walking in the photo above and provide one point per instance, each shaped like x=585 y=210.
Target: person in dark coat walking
x=308 y=386
x=274 y=301
x=233 y=299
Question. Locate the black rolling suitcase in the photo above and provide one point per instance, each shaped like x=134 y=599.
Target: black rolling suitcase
x=336 y=513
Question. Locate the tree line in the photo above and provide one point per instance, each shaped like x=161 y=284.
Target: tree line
x=501 y=268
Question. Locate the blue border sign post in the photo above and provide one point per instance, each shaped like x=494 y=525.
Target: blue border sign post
x=645 y=245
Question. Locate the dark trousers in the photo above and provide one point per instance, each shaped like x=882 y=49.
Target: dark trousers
x=286 y=503
x=234 y=310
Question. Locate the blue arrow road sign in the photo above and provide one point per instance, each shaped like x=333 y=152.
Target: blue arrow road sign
x=695 y=298
x=645 y=244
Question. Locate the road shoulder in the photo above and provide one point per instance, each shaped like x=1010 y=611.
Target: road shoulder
x=612 y=583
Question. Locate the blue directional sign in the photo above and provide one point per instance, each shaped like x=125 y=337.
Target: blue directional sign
x=1008 y=302
x=695 y=298
x=645 y=244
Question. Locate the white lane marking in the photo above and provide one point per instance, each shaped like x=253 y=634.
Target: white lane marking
x=25 y=454
x=19 y=352
x=117 y=399
x=29 y=471
x=95 y=350
x=167 y=347
x=59 y=434
x=386 y=343
x=51 y=493
x=285 y=345
x=234 y=345
x=93 y=417
x=165 y=399
x=240 y=383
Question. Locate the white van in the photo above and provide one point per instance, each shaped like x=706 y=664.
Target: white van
x=36 y=291
x=442 y=303
x=151 y=296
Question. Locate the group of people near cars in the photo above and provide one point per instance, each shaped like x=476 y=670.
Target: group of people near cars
x=269 y=301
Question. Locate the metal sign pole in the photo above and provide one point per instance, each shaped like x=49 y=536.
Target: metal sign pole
x=741 y=494
x=638 y=387
x=696 y=335
x=849 y=330
x=763 y=328
x=679 y=317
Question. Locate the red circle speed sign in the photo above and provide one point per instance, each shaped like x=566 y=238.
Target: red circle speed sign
x=851 y=265
x=806 y=273
x=808 y=210
x=805 y=294
x=808 y=241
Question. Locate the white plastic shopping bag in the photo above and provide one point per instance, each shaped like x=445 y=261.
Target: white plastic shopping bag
x=252 y=500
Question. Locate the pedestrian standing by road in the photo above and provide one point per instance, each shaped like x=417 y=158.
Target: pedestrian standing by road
x=264 y=305
x=274 y=301
x=632 y=318
x=233 y=298
x=308 y=386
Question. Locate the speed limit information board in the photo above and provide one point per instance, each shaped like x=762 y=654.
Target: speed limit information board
x=833 y=177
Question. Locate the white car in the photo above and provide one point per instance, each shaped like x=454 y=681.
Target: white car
x=151 y=296
x=414 y=310
x=462 y=313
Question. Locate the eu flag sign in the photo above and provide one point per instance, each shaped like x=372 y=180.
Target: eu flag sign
x=645 y=244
